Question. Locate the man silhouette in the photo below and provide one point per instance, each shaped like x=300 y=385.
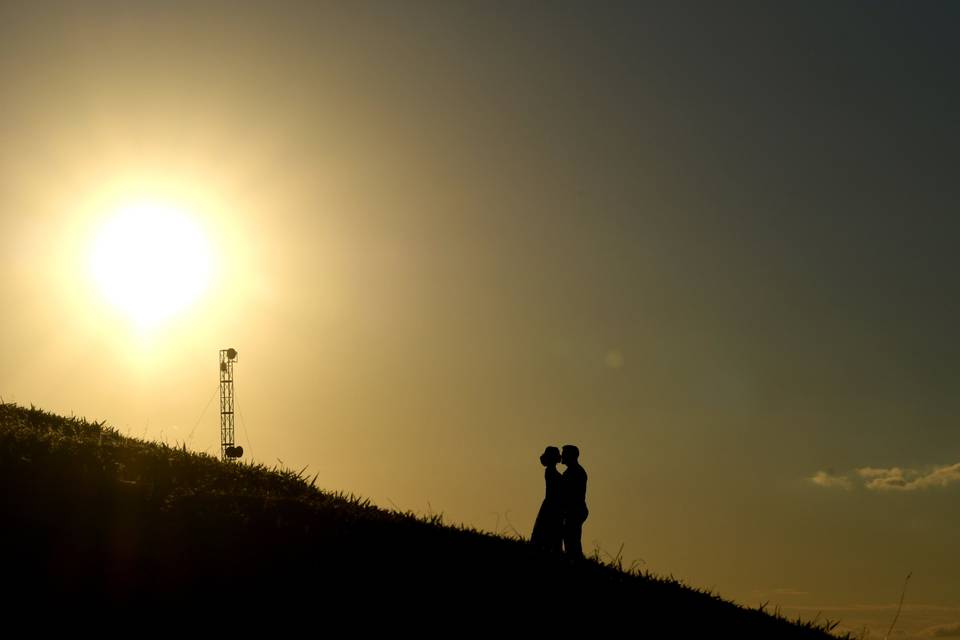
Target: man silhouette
x=573 y=485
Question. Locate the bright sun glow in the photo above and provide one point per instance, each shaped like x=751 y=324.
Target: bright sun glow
x=151 y=261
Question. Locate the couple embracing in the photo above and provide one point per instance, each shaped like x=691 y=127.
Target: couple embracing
x=564 y=510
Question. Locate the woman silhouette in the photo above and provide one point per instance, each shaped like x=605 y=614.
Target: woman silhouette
x=548 y=528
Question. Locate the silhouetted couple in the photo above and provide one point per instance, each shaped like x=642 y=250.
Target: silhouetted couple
x=564 y=510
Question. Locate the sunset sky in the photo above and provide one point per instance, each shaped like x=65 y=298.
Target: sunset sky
x=715 y=245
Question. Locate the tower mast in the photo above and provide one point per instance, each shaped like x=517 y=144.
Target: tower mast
x=228 y=450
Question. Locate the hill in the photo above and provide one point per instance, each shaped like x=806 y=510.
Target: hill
x=92 y=516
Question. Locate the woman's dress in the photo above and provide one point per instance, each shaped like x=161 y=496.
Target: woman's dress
x=548 y=527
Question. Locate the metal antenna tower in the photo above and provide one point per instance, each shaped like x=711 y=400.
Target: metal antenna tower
x=228 y=450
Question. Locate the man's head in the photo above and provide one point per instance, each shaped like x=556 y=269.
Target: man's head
x=569 y=454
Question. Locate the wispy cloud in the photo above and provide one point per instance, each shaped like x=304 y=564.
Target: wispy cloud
x=897 y=479
x=891 y=479
x=788 y=591
x=828 y=479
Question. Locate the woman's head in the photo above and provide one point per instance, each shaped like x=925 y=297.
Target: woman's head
x=550 y=456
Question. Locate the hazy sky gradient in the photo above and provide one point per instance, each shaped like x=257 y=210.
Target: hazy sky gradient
x=713 y=244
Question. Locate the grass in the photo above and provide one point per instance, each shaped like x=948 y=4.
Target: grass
x=91 y=516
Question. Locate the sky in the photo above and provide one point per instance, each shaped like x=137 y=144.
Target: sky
x=712 y=244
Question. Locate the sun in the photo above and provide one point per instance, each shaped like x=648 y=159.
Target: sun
x=150 y=260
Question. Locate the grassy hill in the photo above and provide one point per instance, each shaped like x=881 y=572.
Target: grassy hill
x=91 y=516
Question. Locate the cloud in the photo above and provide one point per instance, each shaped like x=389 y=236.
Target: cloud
x=891 y=479
x=789 y=592
x=897 y=479
x=828 y=479
x=945 y=631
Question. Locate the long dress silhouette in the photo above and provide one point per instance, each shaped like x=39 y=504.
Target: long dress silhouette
x=548 y=527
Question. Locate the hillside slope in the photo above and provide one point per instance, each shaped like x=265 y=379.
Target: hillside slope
x=93 y=516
